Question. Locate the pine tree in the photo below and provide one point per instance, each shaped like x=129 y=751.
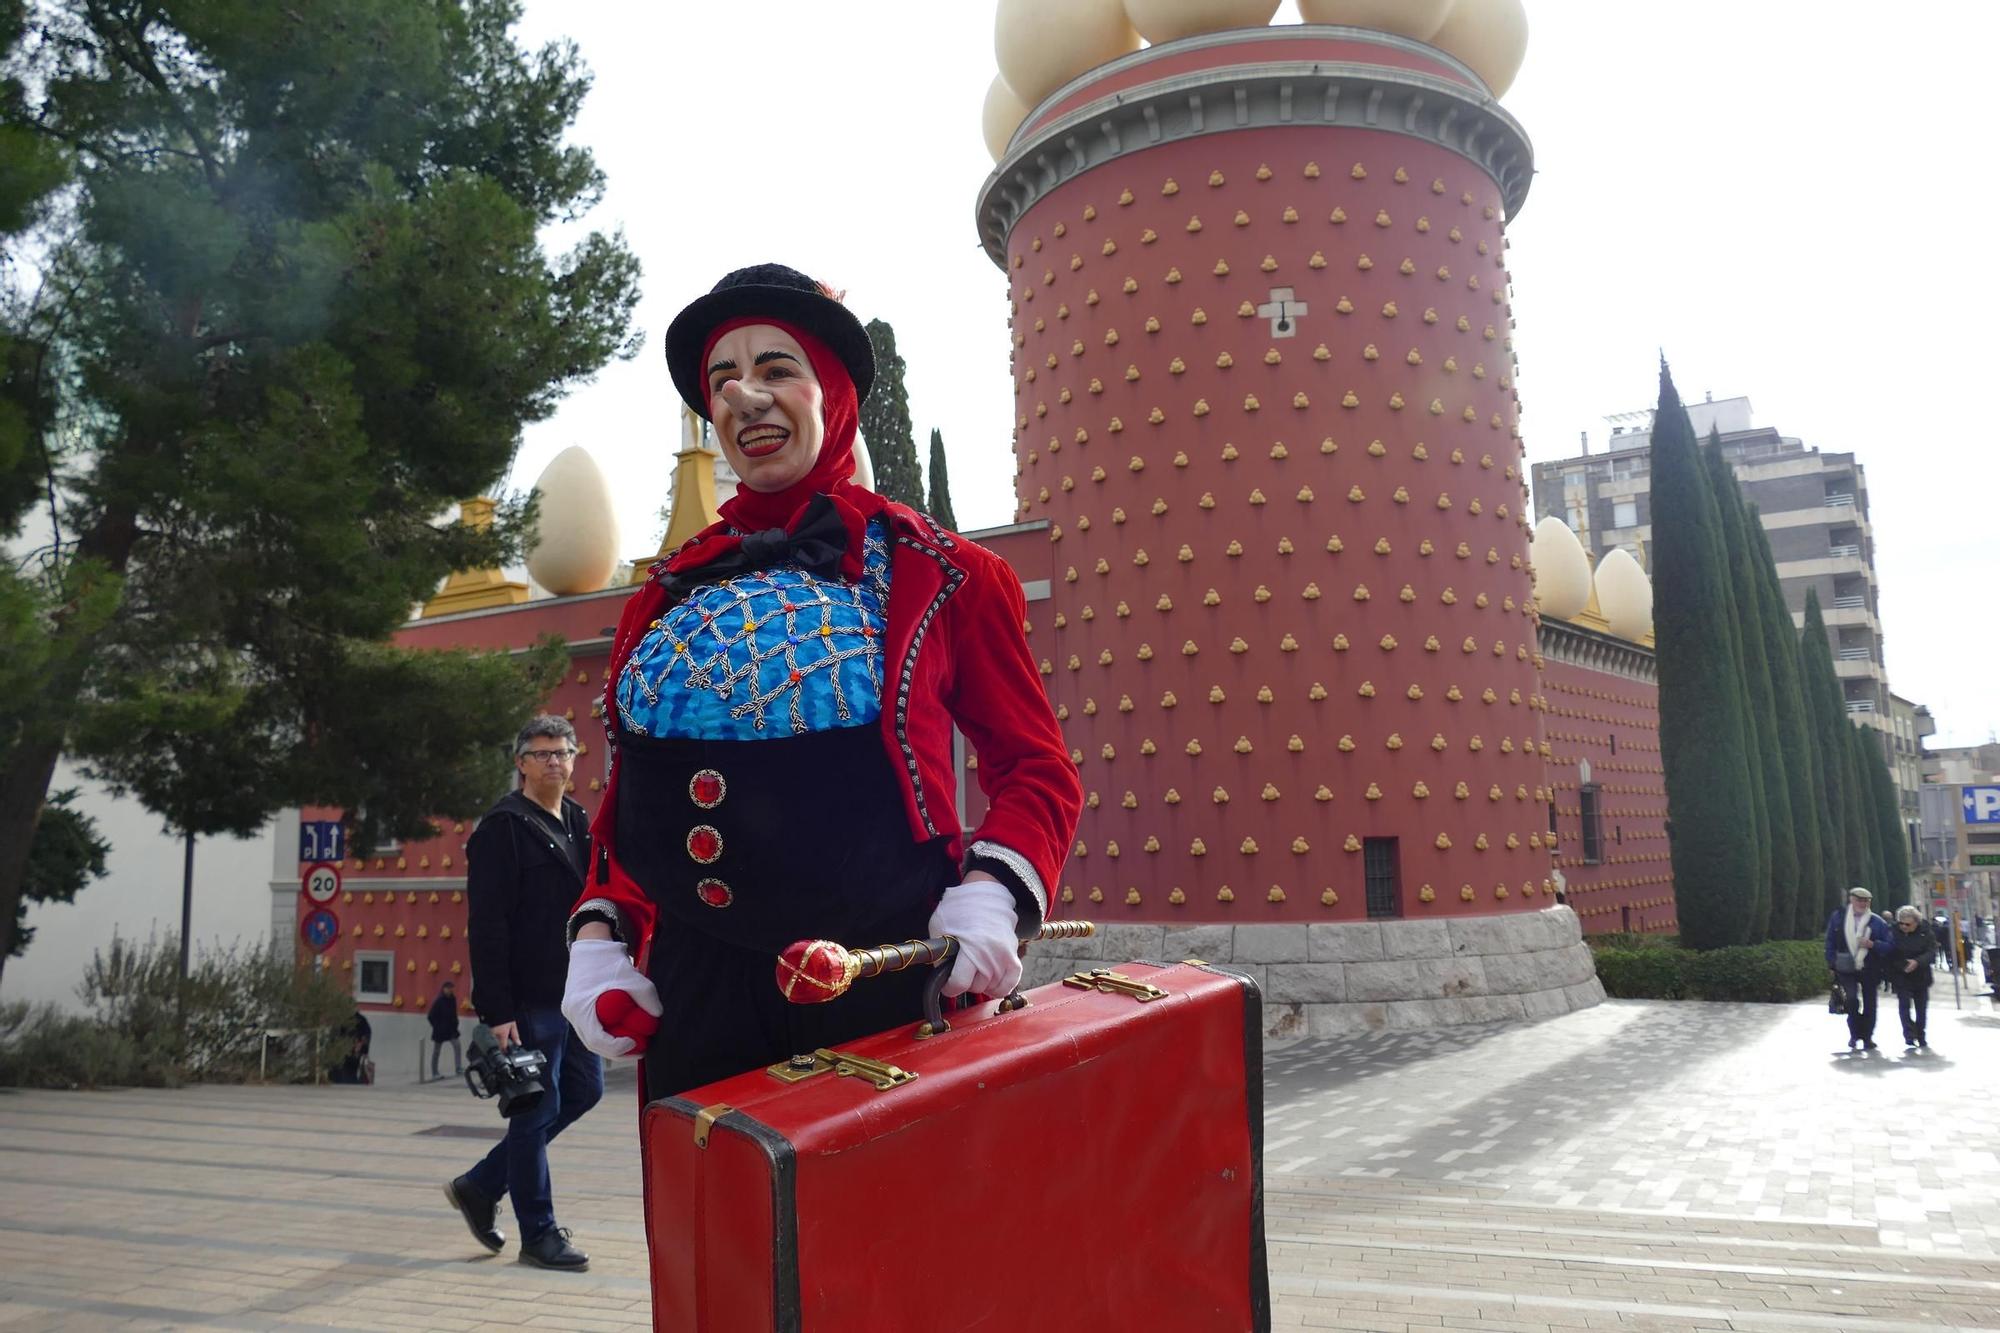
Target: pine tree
x=940 y=484
x=1781 y=654
x=290 y=307
x=1737 y=619
x=885 y=423
x=1701 y=698
x=1830 y=727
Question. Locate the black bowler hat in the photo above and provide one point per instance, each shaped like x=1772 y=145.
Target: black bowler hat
x=770 y=291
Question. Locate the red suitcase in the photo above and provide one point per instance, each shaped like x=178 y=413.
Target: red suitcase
x=1091 y=1161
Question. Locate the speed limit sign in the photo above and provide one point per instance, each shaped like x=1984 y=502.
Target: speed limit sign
x=320 y=883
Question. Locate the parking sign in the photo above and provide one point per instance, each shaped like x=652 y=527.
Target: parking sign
x=1981 y=804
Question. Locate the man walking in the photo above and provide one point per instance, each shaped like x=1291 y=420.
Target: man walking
x=1858 y=946
x=443 y=1017
x=525 y=868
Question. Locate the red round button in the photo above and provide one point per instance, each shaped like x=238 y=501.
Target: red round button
x=704 y=844
x=706 y=789
x=714 y=892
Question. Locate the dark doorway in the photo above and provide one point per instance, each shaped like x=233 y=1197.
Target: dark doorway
x=1381 y=867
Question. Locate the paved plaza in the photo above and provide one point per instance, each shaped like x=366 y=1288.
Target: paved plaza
x=1635 y=1166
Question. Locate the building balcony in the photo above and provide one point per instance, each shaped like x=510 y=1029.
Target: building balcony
x=1833 y=564
x=1852 y=617
x=1840 y=501
x=1850 y=551
x=1859 y=668
x=1861 y=706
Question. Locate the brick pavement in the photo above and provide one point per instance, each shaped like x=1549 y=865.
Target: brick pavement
x=1634 y=1167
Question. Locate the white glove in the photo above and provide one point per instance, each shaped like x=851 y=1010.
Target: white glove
x=980 y=916
x=609 y=1002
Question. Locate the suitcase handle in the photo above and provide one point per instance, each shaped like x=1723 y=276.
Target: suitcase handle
x=816 y=971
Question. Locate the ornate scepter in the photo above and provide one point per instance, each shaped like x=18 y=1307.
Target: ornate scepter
x=816 y=971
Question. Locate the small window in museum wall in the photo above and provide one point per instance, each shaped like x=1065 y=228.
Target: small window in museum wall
x=1593 y=832
x=1625 y=514
x=374 y=975
x=1382 y=876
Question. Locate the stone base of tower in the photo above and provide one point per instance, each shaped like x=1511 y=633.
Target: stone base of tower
x=1341 y=978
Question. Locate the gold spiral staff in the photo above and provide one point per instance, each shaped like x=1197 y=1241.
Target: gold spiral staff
x=816 y=971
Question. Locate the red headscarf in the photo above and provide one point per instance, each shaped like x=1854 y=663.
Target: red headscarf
x=832 y=473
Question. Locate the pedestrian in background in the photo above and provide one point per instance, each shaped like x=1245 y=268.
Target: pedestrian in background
x=1858 y=945
x=524 y=868
x=1910 y=974
x=444 y=1029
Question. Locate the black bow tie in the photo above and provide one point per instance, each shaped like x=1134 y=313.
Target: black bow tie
x=815 y=543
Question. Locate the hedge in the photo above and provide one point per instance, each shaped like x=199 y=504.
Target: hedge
x=1775 y=972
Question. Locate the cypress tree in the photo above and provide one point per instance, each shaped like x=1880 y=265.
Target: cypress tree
x=1701 y=700
x=1861 y=849
x=885 y=423
x=940 y=483
x=1781 y=654
x=1891 y=841
x=1830 y=727
x=1745 y=553
x=1738 y=615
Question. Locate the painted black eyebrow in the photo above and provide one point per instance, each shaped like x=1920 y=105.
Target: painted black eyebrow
x=773 y=355
x=722 y=365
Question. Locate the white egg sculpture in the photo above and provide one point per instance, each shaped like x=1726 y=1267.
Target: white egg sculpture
x=576 y=536
x=1562 y=571
x=1406 y=18
x=864 y=465
x=1491 y=36
x=1170 y=20
x=1001 y=116
x=1043 y=44
x=1625 y=595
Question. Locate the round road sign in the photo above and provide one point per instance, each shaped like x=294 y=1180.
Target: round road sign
x=321 y=882
x=319 y=929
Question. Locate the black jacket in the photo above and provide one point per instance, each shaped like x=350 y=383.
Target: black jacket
x=519 y=888
x=444 y=1017
x=1912 y=946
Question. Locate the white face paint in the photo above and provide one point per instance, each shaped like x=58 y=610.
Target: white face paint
x=767 y=406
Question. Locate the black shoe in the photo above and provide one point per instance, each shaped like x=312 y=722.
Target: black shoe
x=478 y=1212
x=1867 y=1045
x=552 y=1249
x=1853 y=1042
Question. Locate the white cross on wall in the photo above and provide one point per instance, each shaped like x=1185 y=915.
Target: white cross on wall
x=1284 y=311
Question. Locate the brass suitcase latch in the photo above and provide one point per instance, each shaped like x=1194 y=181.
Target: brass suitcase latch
x=883 y=1075
x=1114 y=983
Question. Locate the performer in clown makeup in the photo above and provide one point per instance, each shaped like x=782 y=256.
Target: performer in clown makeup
x=780 y=705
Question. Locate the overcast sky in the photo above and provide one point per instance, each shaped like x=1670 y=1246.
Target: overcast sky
x=1793 y=200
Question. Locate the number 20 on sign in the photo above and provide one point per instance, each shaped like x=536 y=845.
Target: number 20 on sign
x=320 y=883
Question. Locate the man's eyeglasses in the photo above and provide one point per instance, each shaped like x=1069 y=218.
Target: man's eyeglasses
x=548 y=756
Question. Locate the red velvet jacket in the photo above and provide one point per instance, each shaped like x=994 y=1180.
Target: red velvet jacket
x=956 y=650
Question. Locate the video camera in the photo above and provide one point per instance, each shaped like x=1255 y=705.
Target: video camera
x=515 y=1076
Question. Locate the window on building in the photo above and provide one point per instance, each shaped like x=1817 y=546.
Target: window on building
x=374 y=976
x=1624 y=513
x=1383 y=877
x=1593 y=830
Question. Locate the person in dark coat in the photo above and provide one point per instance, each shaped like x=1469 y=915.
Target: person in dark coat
x=1858 y=946
x=1910 y=973
x=524 y=867
x=443 y=1018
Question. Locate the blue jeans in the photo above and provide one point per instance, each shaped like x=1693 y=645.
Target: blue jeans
x=519 y=1163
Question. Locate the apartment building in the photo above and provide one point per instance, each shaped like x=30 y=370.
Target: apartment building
x=1814 y=506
